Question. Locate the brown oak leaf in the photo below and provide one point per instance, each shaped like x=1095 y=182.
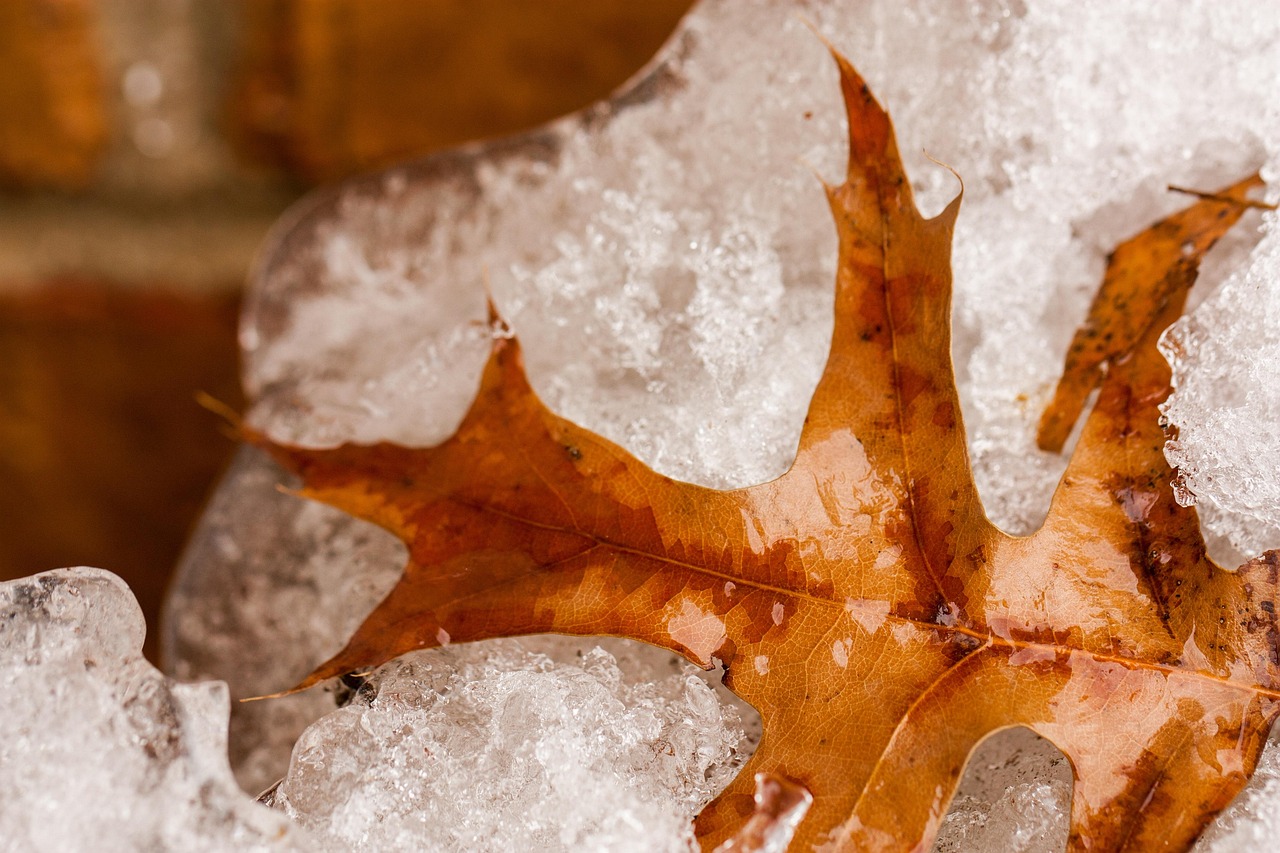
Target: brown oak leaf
x=862 y=601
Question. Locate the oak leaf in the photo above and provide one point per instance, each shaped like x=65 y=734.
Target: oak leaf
x=862 y=602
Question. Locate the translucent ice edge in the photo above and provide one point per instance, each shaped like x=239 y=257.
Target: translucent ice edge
x=98 y=750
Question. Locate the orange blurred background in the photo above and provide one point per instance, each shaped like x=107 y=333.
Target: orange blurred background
x=147 y=146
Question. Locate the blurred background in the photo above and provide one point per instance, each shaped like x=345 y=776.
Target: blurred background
x=146 y=146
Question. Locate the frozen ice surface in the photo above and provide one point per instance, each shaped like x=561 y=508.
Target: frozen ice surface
x=293 y=581
x=1015 y=797
x=491 y=747
x=98 y=750
x=1226 y=359
x=667 y=260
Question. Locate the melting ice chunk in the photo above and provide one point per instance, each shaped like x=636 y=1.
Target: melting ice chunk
x=493 y=748
x=98 y=750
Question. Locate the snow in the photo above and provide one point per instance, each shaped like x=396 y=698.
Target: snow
x=496 y=747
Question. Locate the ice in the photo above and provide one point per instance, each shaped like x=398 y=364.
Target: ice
x=667 y=260
x=98 y=750
x=294 y=580
x=1226 y=359
x=1015 y=797
x=491 y=747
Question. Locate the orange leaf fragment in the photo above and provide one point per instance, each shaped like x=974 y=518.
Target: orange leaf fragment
x=862 y=602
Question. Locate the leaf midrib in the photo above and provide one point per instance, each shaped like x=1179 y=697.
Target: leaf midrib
x=988 y=639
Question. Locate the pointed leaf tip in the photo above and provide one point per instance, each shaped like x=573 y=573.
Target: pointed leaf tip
x=499 y=328
x=870 y=130
x=1234 y=195
x=857 y=94
x=321 y=674
x=210 y=403
x=953 y=207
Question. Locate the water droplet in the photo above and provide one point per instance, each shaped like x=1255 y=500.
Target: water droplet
x=840 y=652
